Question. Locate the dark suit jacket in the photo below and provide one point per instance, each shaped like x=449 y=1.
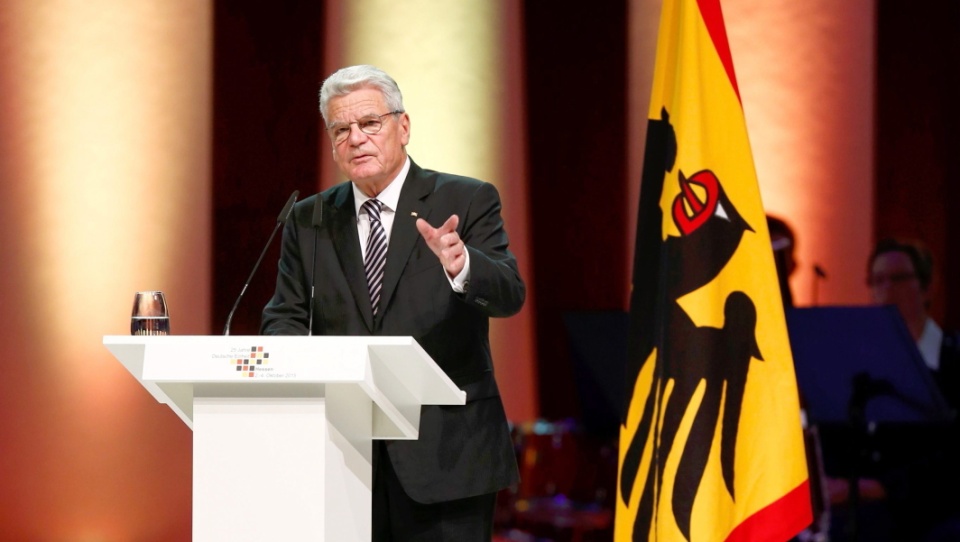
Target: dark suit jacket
x=462 y=451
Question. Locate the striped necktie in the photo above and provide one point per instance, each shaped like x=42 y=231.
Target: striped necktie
x=376 y=257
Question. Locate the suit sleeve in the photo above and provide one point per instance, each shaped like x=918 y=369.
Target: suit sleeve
x=495 y=287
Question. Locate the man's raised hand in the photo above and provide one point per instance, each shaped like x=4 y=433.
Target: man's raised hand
x=445 y=243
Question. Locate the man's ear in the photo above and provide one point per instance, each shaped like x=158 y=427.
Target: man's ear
x=405 y=127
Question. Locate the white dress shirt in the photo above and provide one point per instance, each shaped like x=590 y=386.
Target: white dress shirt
x=929 y=344
x=390 y=198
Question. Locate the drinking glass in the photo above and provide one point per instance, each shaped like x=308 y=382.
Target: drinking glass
x=149 y=316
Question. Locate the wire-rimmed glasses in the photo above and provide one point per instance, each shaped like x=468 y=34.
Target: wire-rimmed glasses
x=370 y=125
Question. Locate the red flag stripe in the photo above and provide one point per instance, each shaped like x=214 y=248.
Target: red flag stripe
x=713 y=17
x=779 y=520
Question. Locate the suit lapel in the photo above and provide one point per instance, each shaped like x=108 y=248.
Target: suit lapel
x=404 y=235
x=346 y=240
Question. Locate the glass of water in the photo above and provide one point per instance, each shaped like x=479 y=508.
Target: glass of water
x=149 y=316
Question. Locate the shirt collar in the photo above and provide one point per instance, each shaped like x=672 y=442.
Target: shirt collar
x=929 y=344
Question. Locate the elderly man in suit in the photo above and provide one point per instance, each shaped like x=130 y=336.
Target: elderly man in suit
x=401 y=250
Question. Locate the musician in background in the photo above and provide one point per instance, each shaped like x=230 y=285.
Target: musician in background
x=924 y=493
x=783 y=241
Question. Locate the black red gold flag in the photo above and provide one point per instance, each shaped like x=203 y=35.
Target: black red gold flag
x=711 y=441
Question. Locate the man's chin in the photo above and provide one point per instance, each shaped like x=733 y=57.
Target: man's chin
x=365 y=173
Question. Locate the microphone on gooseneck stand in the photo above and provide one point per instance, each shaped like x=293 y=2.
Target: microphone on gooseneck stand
x=818 y=274
x=317 y=221
x=281 y=220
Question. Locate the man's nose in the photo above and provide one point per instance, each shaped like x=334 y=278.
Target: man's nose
x=356 y=134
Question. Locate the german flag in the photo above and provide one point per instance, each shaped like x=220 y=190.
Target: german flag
x=711 y=441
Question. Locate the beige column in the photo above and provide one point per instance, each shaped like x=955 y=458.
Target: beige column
x=105 y=190
x=806 y=73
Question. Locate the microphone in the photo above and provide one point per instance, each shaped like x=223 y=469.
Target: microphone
x=281 y=220
x=818 y=273
x=317 y=221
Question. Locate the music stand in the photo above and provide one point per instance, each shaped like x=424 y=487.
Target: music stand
x=598 y=348
x=858 y=368
x=834 y=347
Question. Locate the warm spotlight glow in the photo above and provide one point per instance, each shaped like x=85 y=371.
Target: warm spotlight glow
x=806 y=74
x=444 y=56
x=110 y=147
x=120 y=154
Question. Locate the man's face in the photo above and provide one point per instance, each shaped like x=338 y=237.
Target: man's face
x=369 y=160
x=893 y=281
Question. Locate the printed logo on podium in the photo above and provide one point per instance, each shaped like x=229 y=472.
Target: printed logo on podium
x=252 y=362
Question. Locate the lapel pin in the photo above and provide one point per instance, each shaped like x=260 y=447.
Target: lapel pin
x=413 y=213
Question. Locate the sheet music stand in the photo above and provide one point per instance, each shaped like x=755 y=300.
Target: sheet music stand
x=859 y=369
x=598 y=348
x=833 y=346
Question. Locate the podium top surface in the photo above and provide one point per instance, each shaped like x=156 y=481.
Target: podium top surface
x=391 y=370
x=257 y=358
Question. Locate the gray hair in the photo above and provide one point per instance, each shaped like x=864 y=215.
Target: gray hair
x=346 y=80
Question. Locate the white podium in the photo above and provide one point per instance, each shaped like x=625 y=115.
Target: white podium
x=283 y=426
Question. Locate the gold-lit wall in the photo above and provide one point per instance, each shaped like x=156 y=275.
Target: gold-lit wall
x=806 y=73
x=105 y=172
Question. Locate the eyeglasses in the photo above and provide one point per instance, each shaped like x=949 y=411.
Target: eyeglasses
x=893 y=278
x=369 y=125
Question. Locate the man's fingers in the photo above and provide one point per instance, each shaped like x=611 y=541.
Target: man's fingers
x=424 y=228
x=450 y=225
x=445 y=243
x=429 y=232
